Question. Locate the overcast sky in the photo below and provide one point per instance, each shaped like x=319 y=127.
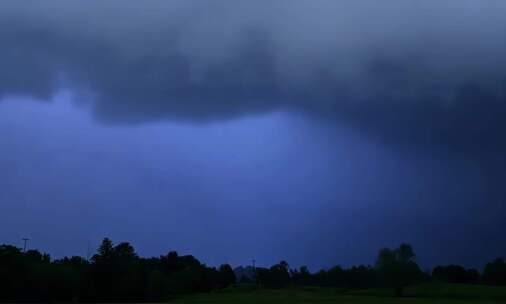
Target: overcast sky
x=311 y=131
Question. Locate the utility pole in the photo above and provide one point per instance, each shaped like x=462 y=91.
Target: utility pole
x=88 y=251
x=25 y=240
x=257 y=281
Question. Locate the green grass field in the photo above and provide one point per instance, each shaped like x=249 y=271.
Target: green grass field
x=427 y=293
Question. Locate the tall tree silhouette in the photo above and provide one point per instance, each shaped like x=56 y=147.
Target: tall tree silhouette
x=495 y=272
x=226 y=276
x=397 y=267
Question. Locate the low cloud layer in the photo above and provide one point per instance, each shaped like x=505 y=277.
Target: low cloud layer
x=427 y=73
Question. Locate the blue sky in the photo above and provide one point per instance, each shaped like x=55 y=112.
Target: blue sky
x=269 y=187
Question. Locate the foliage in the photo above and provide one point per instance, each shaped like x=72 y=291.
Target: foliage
x=397 y=267
x=456 y=274
x=277 y=276
x=114 y=274
x=495 y=272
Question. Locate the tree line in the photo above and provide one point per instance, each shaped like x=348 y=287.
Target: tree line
x=114 y=274
x=117 y=274
x=394 y=268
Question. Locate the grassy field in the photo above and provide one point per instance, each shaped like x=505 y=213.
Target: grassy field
x=428 y=293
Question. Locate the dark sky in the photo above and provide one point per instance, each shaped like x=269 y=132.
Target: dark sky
x=311 y=131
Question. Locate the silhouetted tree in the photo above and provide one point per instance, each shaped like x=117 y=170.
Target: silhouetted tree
x=278 y=276
x=302 y=276
x=170 y=262
x=495 y=272
x=397 y=267
x=114 y=274
x=103 y=272
x=226 y=276
x=118 y=274
x=361 y=277
x=456 y=274
x=70 y=279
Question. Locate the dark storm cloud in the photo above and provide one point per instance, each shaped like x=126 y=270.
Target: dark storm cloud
x=422 y=72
